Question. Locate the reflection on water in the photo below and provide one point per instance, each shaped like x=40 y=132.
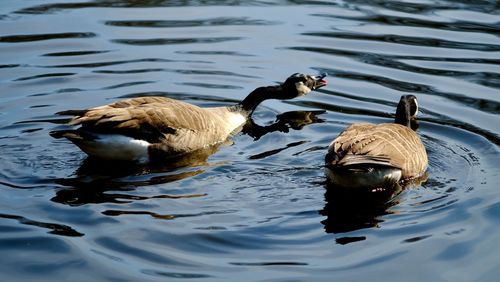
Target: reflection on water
x=284 y=122
x=256 y=208
x=348 y=209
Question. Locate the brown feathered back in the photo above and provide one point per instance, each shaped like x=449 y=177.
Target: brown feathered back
x=387 y=144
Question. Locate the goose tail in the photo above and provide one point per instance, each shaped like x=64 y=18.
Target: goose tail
x=106 y=146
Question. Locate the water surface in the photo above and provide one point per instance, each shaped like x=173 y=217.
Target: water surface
x=258 y=208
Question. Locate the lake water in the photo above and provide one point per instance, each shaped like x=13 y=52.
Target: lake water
x=258 y=209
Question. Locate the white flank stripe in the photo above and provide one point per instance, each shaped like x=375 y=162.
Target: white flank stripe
x=117 y=147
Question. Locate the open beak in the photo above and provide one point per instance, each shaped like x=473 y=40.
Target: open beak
x=320 y=81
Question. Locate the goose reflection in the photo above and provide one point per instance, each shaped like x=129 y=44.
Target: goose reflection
x=95 y=179
x=348 y=209
x=284 y=122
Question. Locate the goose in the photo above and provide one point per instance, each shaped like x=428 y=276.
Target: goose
x=369 y=155
x=138 y=129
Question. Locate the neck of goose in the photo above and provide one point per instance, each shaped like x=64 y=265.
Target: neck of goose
x=248 y=105
x=403 y=115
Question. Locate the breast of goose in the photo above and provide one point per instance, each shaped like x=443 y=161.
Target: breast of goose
x=135 y=129
x=369 y=155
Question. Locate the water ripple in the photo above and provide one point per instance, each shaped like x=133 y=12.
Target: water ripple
x=108 y=63
x=74 y=53
x=47 y=36
x=428 y=7
x=163 y=216
x=170 y=41
x=154 y=257
x=223 y=21
x=55 y=228
x=223 y=53
x=45 y=76
x=174 y=274
x=55 y=7
x=464 y=26
x=421 y=57
x=272 y=263
x=410 y=40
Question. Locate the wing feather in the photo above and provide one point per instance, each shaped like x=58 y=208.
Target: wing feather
x=148 y=118
x=383 y=144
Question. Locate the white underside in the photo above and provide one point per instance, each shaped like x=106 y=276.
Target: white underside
x=116 y=147
x=368 y=178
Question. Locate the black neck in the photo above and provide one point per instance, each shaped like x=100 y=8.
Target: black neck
x=248 y=105
x=403 y=114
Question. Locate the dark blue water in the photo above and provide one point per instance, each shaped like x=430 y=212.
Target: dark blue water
x=258 y=208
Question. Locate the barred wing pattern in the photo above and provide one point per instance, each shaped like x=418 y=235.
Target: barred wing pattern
x=385 y=144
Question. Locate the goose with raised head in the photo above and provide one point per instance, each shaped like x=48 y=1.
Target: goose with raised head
x=138 y=129
x=369 y=155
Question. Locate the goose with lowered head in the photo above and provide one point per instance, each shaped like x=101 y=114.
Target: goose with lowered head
x=369 y=155
x=138 y=129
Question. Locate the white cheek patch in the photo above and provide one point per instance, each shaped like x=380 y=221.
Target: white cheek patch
x=302 y=89
x=416 y=108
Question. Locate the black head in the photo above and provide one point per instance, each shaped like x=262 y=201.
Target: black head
x=407 y=110
x=299 y=84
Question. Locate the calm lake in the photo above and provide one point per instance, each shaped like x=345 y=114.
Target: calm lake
x=258 y=209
